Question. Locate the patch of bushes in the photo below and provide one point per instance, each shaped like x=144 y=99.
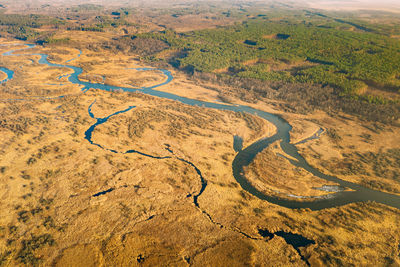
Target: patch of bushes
x=26 y=254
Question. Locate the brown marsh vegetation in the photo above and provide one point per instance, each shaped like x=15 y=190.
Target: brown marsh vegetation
x=66 y=202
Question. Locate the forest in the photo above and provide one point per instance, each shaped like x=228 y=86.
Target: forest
x=342 y=58
x=283 y=51
x=24 y=27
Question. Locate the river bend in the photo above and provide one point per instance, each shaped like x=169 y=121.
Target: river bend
x=244 y=157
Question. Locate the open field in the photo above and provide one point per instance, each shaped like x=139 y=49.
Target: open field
x=52 y=177
x=367 y=154
x=152 y=183
x=274 y=175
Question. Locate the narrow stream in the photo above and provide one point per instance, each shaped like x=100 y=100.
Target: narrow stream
x=295 y=240
x=9 y=74
x=245 y=156
x=237 y=143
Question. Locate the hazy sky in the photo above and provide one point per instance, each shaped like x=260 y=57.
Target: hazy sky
x=390 y=5
x=387 y=5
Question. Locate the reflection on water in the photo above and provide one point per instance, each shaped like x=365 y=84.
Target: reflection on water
x=244 y=156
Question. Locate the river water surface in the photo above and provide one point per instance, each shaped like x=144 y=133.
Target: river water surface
x=244 y=156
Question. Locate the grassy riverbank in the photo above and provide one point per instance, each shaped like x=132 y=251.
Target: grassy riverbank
x=69 y=203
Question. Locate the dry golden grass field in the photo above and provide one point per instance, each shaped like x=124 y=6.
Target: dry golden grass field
x=65 y=201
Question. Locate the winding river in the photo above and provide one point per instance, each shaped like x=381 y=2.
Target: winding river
x=244 y=156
